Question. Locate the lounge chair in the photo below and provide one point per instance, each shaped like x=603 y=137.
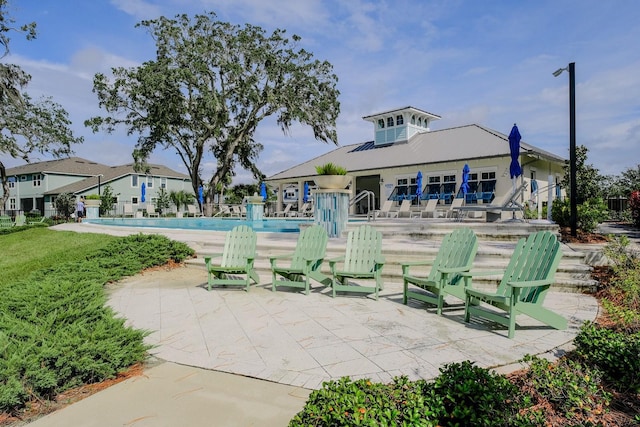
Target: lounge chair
x=524 y=285
x=193 y=211
x=236 y=211
x=305 y=261
x=35 y=220
x=286 y=210
x=305 y=210
x=509 y=203
x=237 y=259
x=223 y=211
x=151 y=211
x=430 y=210
x=20 y=220
x=405 y=209
x=363 y=260
x=385 y=210
x=456 y=254
x=127 y=210
x=453 y=210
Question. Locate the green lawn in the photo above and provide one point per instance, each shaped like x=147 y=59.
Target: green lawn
x=23 y=252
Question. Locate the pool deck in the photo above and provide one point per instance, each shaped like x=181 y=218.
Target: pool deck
x=228 y=357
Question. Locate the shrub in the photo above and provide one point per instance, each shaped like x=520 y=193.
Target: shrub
x=345 y=402
x=572 y=389
x=589 y=214
x=622 y=300
x=470 y=396
x=615 y=354
x=56 y=331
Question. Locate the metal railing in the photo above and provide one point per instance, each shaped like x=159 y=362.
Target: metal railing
x=370 y=197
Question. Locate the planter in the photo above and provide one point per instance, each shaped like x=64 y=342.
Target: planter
x=92 y=203
x=332 y=182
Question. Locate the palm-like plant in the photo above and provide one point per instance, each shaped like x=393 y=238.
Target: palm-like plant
x=181 y=198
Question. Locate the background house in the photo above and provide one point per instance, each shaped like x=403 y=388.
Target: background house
x=403 y=145
x=34 y=186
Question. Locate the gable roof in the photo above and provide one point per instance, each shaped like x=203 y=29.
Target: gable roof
x=454 y=144
x=89 y=170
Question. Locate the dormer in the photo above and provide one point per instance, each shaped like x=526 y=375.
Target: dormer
x=399 y=125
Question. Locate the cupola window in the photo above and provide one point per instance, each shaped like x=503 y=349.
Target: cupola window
x=380 y=123
x=389 y=121
x=399 y=120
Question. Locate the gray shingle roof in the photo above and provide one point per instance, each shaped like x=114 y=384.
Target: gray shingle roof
x=459 y=143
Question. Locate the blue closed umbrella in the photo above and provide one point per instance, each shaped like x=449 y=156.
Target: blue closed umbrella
x=419 y=186
x=143 y=192
x=201 y=195
x=465 y=179
x=263 y=191
x=514 y=148
x=534 y=186
x=305 y=197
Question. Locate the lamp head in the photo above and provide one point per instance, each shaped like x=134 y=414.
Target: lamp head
x=557 y=72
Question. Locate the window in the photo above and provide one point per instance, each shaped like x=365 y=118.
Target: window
x=487 y=186
x=12 y=182
x=163 y=183
x=413 y=120
x=420 y=121
x=37 y=180
x=389 y=121
x=433 y=186
x=23 y=177
x=448 y=188
x=134 y=180
x=380 y=123
x=399 y=120
x=134 y=200
x=149 y=182
x=12 y=204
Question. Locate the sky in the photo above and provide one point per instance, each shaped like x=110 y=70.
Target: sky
x=486 y=62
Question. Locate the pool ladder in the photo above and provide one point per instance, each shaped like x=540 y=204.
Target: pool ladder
x=371 y=197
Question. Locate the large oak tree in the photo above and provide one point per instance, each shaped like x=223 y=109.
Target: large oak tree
x=209 y=87
x=26 y=126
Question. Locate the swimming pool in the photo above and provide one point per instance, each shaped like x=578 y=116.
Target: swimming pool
x=271 y=225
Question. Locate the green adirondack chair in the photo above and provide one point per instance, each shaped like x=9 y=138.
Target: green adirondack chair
x=362 y=260
x=305 y=261
x=524 y=285
x=5 y=221
x=237 y=259
x=456 y=255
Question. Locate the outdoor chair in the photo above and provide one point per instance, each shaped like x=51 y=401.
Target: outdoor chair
x=224 y=210
x=386 y=210
x=430 y=210
x=237 y=258
x=523 y=288
x=453 y=210
x=305 y=210
x=151 y=211
x=20 y=220
x=510 y=203
x=5 y=221
x=362 y=260
x=127 y=210
x=405 y=209
x=456 y=254
x=286 y=210
x=305 y=261
x=193 y=211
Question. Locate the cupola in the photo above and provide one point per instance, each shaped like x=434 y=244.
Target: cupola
x=399 y=125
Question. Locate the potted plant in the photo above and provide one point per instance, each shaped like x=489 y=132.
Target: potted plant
x=331 y=176
x=92 y=200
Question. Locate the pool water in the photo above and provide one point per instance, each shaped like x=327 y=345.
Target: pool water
x=212 y=224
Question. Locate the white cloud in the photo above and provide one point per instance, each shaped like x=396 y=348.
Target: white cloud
x=138 y=8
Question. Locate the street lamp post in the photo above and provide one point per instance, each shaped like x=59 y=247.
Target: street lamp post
x=573 y=189
x=99 y=176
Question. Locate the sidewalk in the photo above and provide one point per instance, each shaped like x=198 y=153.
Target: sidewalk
x=237 y=358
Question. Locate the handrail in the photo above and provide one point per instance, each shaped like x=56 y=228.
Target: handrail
x=370 y=196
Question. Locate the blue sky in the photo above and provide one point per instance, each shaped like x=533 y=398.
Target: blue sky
x=488 y=62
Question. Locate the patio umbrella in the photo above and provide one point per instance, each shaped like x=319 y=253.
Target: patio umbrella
x=305 y=196
x=419 y=186
x=514 y=148
x=143 y=191
x=201 y=195
x=263 y=191
x=465 y=179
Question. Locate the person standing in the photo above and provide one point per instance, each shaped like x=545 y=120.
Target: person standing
x=79 y=209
